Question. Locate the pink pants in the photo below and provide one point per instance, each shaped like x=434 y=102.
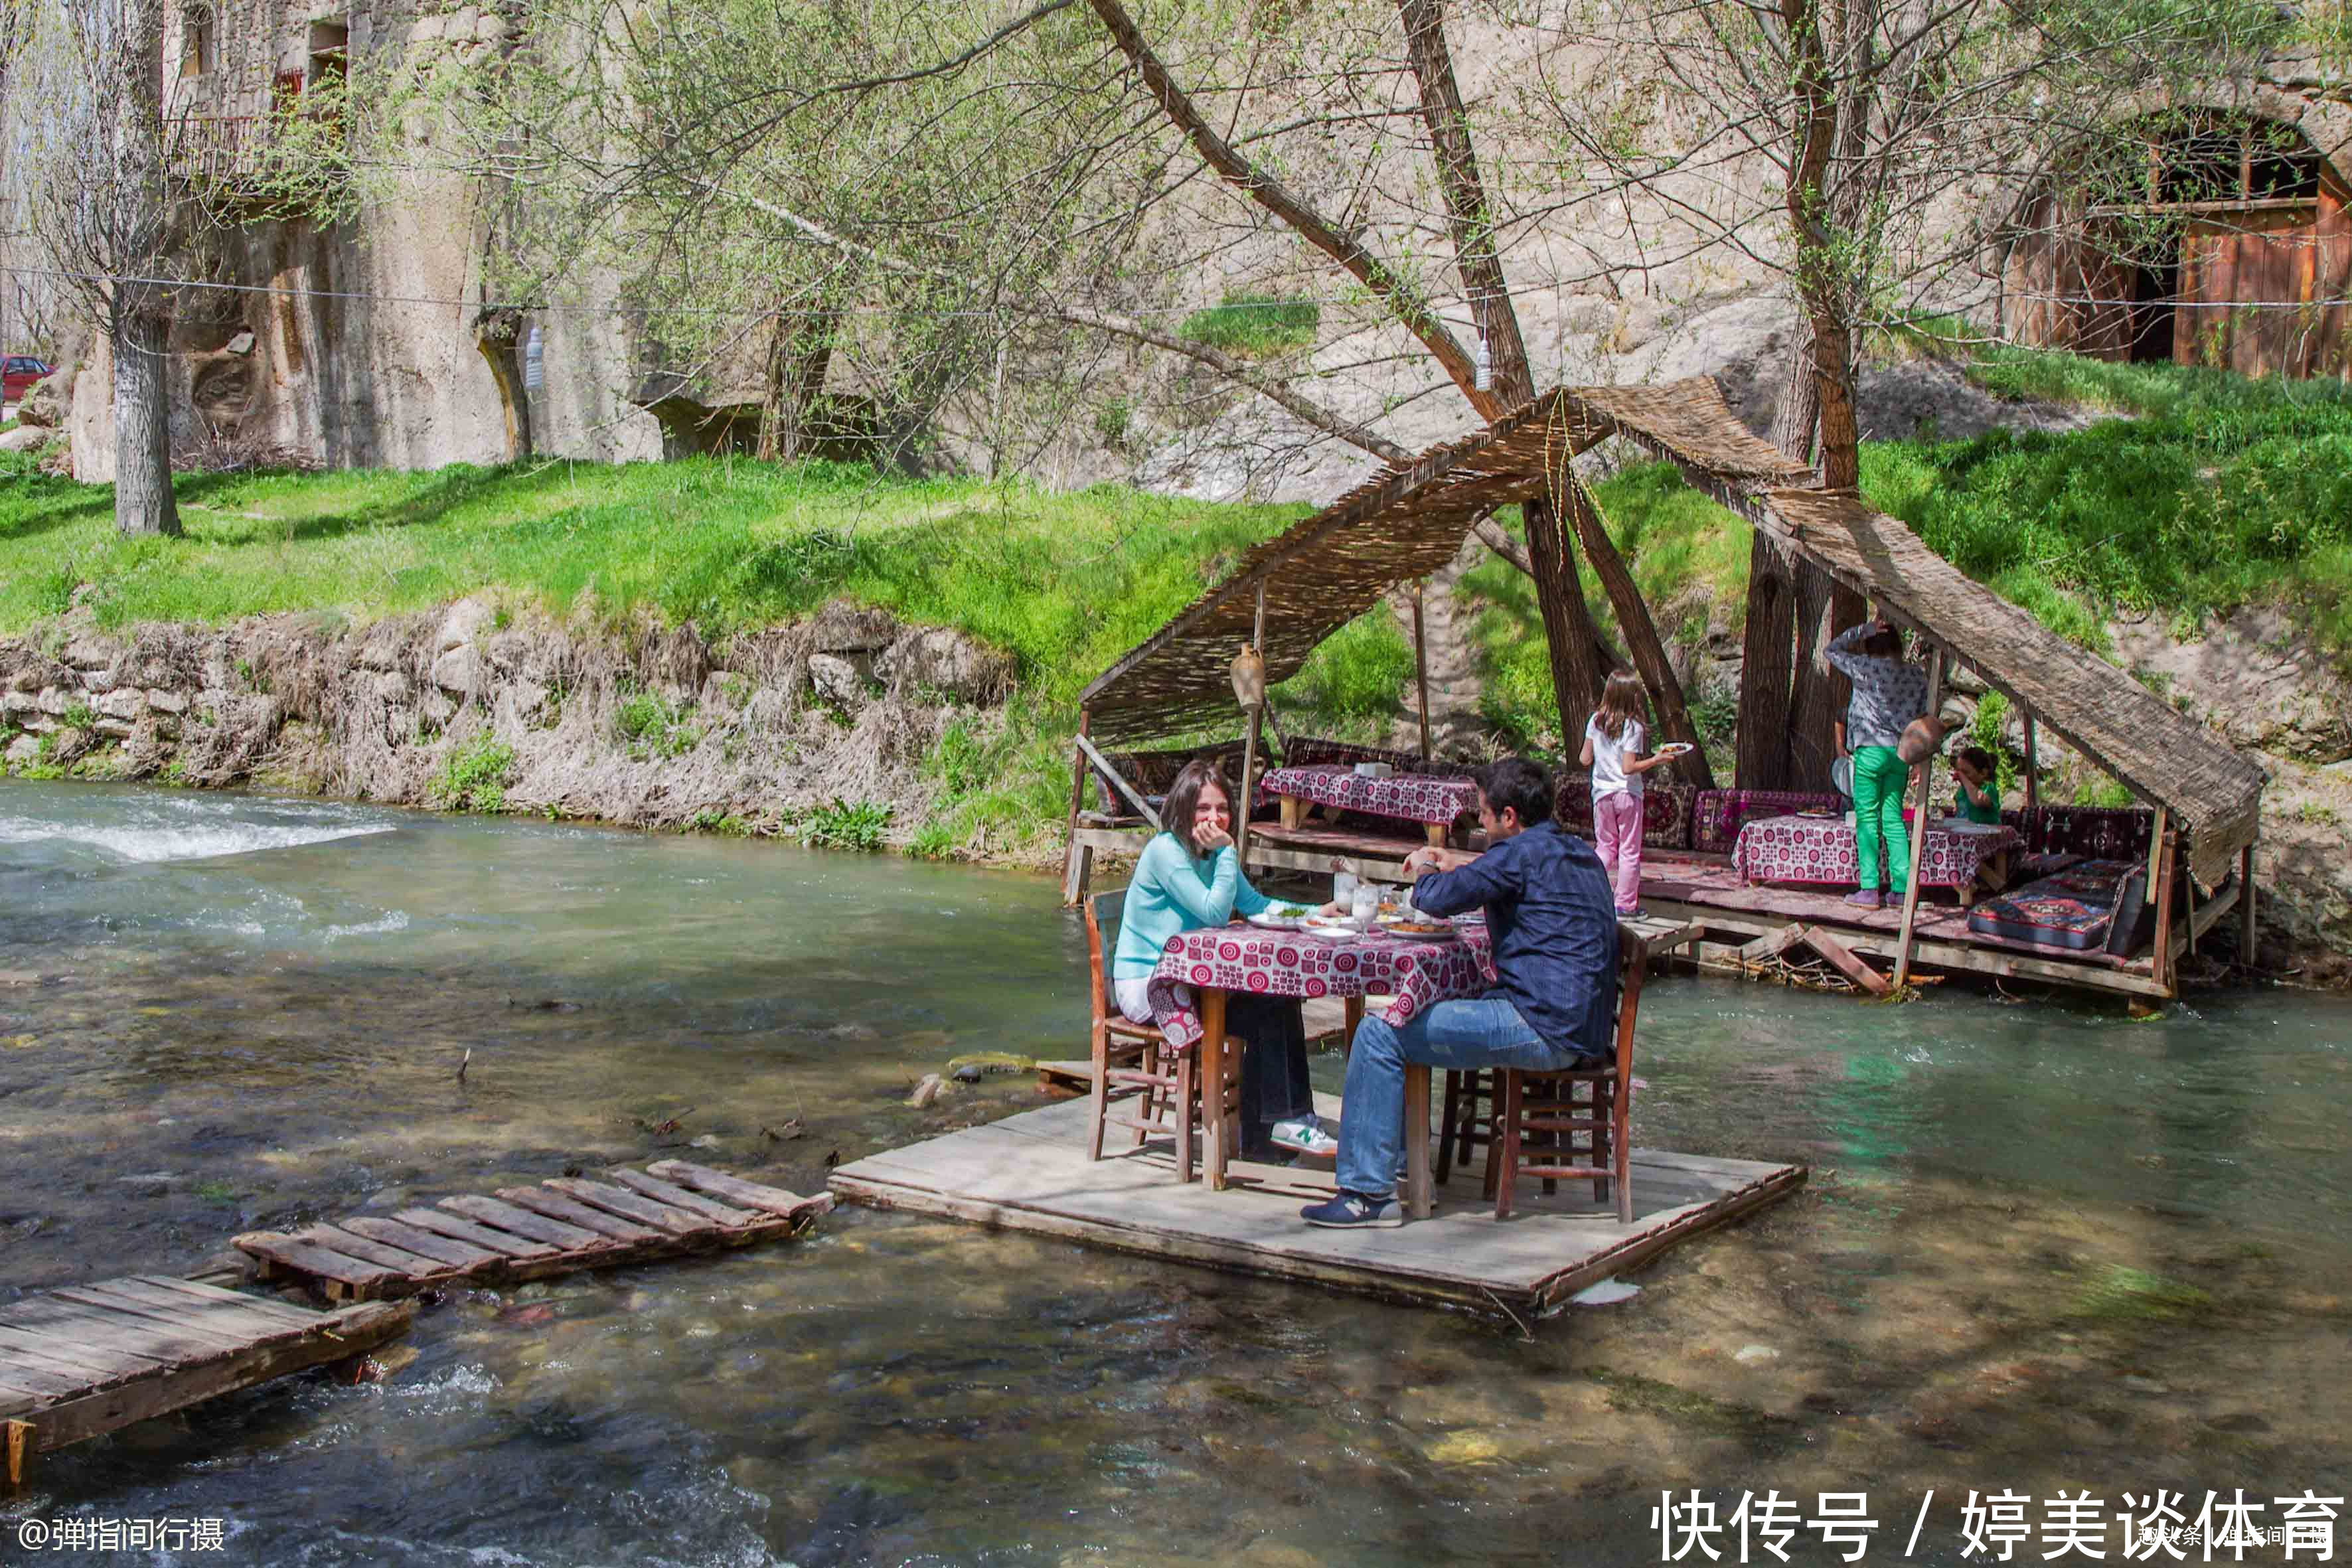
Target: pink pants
x=1617 y=834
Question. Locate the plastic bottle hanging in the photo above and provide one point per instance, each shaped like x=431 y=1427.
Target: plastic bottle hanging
x=534 y=361
x=1485 y=378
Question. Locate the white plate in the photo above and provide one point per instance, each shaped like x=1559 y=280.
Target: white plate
x=1266 y=920
x=1962 y=825
x=1676 y=749
x=1337 y=930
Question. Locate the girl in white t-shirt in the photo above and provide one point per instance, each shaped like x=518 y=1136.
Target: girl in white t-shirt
x=1614 y=742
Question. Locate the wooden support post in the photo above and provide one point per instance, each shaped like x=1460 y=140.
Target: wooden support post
x=1844 y=958
x=1418 y=1188
x=1125 y=788
x=2033 y=766
x=1246 y=790
x=1919 y=827
x=2246 y=904
x=1073 y=880
x=2166 y=852
x=1421 y=669
x=20 y=1438
x=1211 y=1075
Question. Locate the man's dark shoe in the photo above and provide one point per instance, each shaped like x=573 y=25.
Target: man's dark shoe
x=1353 y=1211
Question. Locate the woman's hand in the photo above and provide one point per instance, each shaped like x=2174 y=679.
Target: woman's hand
x=1212 y=840
x=1334 y=908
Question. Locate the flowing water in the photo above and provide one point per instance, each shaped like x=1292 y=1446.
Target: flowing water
x=2043 y=1245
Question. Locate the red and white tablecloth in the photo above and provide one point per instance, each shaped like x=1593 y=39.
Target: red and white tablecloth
x=1414 y=797
x=1821 y=849
x=1417 y=972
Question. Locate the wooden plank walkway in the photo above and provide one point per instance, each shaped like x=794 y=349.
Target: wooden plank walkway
x=1030 y=1173
x=83 y=1361
x=669 y=1209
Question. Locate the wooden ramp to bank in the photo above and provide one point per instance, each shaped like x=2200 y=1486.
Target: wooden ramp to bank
x=669 y=1209
x=83 y=1361
x=1030 y=1173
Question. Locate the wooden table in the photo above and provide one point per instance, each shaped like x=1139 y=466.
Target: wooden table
x=1436 y=801
x=1413 y=973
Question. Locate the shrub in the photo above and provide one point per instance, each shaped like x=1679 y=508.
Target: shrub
x=473 y=777
x=847 y=825
x=654 y=727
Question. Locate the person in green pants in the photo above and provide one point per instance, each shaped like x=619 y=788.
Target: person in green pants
x=1889 y=691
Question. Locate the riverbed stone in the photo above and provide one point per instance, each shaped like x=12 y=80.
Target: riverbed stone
x=23 y=750
x=838 y=680
x=462 y=624
x=125 y=703
x=947 y=662
x=459 y=671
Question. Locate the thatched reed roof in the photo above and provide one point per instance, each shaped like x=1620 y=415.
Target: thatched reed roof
x=1398 y=527
x=1407 y=522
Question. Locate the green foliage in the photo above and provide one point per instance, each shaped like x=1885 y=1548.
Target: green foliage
x=1256 y=324
x=711 y=819
x=654 y=727
x=1360 y=673
x=845 y=824
x=473 y=777
x=78 y=716
x=1992 y=714
x=2104 y=791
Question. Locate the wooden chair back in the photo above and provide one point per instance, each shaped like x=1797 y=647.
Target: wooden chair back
x=1537 y=1133
x=1104 y=912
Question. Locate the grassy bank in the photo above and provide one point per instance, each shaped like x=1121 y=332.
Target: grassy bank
x=2218 y=491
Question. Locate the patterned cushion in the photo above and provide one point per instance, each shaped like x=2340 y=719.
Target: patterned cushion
x=1716 y=814
x=1308 y=751
x=1152 y=772
x=2098 y=832
x=1665 y=809
x=2078 y=909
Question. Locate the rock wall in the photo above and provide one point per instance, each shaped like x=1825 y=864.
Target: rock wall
x=645 y=727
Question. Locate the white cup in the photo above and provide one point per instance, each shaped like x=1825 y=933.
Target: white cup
x=1364 y=907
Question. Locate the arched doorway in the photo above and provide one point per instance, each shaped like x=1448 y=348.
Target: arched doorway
x=2195 y=236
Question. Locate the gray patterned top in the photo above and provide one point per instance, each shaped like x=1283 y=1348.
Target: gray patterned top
x=1888 y=694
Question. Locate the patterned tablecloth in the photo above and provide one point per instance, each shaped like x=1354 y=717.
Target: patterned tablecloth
x=1414 y=797
x=1295 y=963
x=1821 y=849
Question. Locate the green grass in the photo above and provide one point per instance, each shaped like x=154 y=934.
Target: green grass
x=1255 y=324
x=473 y=777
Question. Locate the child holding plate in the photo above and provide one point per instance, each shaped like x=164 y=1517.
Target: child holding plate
x=1613 y=741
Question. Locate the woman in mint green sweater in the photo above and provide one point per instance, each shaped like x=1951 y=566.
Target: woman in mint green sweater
x=1190 y=877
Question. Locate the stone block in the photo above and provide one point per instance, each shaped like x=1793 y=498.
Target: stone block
x=24 y=439
x=392 y=687
x=119 y=729
x=460 y=670
x=463 y=623
x=949 y=662
x=91 y=653
x=163 y=700
x=838 y=680
x=56 y=700
x=124 y=703
x=425 y=30
x=23 y=750
x=19 y=704
x=96 y=680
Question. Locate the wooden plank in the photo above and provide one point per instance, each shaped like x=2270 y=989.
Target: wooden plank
x=678 y=1197
x=756 y=1195
x=441 y=1249
x=236 y=1315
x=352 y=1243
x=98 y=1343
x=628 y=1204
x=1552 y=1293
x=267 y=1306
x=523 y=1223
x=88 y=1364
x=555 y=1205
x=457 y=1229
x=344 y=1275
x=1842 y=957
x=1773 y=945
x=38 y=1384
x=2209 y=914
x=329 y=1337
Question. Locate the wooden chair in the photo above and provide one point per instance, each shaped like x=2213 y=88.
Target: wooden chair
x=1467 y=1123
x=1133 y=1061
x=1544 y=1127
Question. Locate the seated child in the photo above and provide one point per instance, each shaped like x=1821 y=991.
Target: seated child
x=1979 y=798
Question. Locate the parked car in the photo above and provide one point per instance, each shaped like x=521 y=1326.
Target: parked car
x=18 y=376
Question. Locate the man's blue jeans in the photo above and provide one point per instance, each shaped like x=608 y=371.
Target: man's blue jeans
x=1483 y=1032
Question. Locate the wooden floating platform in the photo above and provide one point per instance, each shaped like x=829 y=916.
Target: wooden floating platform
x=1030 y=1173
x=81 y=1361
x=1706 y=890
x=669 y=1209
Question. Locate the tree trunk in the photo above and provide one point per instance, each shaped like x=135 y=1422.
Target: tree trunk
x=143 y=502
x=1820 y=694
x=1568 y=631
x=1640 y=636
x=498 y=337
x=1841 y=442
x=1763 y=735
x=1798 y=416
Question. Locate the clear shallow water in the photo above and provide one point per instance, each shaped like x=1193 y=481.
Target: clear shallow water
x=2043 y=1245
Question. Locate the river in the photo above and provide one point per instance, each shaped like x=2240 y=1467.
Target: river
x=2043 y=1245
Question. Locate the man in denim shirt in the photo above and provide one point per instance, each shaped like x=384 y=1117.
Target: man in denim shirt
x=1552 y=921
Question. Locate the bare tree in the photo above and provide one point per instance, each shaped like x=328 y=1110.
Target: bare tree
x=104 y=205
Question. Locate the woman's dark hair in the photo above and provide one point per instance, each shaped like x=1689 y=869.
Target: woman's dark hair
x=1518 y=785
x=1979 y=759
x=1184 y=798
x=1884 y=645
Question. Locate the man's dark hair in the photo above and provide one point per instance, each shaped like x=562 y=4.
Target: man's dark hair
x=1519 y=785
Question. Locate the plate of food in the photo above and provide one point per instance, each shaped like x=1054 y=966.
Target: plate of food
x=1676 y=749
x=1337 y=927
x=1819 y=811
x=1278 y=916
x=1420 y=927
